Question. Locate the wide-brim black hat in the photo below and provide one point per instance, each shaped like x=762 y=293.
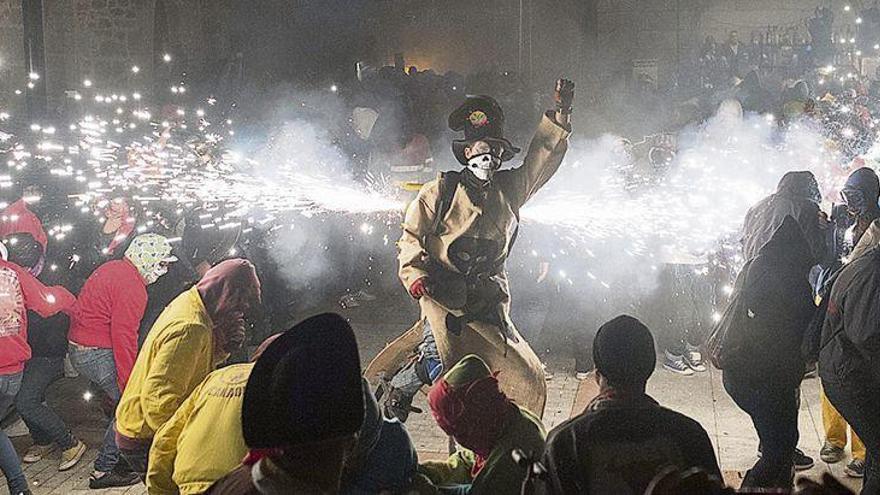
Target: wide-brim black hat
x=305 y=387
x=481 y=119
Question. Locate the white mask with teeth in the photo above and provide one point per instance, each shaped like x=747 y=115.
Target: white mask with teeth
x=484 y=165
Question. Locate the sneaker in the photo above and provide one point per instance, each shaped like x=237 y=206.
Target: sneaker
x=582 y=375
x=677 y=364
x=36 y=453
x=831 y=453
x=694 y=358
x=101 y=479
x=855 y=469
x=17 y=429
x=802 y=461
x=71 y=456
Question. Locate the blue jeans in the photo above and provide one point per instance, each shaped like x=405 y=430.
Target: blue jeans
x=408 y=379
x=10 y=464
x=99 y=367
x=45 y=425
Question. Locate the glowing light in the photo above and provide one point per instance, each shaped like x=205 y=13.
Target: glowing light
x=33 y=76
x=87 y=395
x=858 y=20
x=135 y=69
x=166 y=57
x=87 y=83
x=334 y=88
x=716 y=316
x=846 y=8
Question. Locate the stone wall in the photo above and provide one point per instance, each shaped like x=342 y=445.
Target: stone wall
x=13 y=72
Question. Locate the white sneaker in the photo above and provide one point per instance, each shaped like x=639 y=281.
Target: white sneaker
x=694 y=358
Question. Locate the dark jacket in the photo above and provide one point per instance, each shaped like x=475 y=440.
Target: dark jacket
x=777 y=295
x=850 y=345
x=798 y=196
x=618 y=445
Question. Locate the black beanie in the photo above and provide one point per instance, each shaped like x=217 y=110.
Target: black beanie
x=305 y=387
x=623 y=352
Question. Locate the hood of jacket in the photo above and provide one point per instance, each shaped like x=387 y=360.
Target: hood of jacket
x=800 y=184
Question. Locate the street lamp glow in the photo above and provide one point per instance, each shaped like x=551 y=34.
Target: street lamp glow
x=334 y=88
x=87 y=83
x=166 y=57
x=135 y=69
x=33 y=76
x=858 y=20
x=846 y=8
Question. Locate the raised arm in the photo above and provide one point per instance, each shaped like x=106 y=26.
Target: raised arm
x=547 y=148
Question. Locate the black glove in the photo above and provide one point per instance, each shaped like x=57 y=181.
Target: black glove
x=563 y=95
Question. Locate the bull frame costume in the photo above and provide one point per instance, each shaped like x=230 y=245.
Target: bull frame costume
x=457 y=235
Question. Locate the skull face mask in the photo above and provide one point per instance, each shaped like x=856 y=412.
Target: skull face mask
x=485 y=160
x=484 y=165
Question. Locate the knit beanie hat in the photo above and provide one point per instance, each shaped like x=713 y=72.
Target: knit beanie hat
x=623 y=352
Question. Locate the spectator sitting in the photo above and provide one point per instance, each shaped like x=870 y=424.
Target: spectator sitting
x=195 y=333
x=468 y=405
x=384 y=458
x=303 y=407
x=202 y=442
x=624 y=438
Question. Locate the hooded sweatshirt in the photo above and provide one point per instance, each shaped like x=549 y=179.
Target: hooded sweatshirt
x=20 y=292
x=108 y=314
x=798 y=196
x=182 y=348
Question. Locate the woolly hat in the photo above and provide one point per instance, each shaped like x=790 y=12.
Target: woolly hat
x=305 y=387
x=623 y=351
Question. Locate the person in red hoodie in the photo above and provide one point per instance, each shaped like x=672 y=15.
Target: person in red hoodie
x=104 y=330
x=20 y=292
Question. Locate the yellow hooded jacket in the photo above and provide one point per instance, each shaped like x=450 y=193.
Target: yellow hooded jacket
x=176 y=356
x=202 y=442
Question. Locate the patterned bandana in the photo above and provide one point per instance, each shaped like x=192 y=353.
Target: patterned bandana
x=150 y=253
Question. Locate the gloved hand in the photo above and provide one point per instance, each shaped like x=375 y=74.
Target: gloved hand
x=419 y=288
x=563 y=95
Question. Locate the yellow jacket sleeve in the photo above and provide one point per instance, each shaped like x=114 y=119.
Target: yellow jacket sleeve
x=417 y=223
x=182 y=361
x=542 y=160
x=163 y=452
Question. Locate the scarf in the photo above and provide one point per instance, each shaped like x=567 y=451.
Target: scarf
x=475 y=414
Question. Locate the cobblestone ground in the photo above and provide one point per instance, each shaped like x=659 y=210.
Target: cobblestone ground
x=701 y=397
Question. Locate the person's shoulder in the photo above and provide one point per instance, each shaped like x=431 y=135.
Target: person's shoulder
x=577 y=426
x=679 y=422
x=237 y=482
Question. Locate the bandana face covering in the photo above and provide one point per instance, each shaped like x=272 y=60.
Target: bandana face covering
x=150 y=254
